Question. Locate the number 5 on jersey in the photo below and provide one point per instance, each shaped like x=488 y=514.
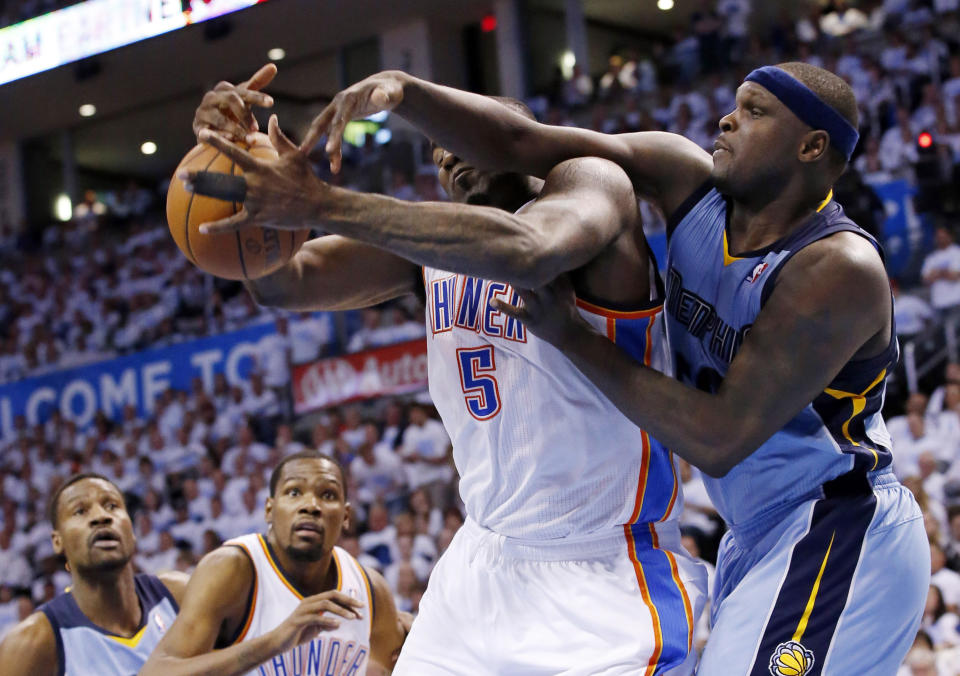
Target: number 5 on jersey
x=479 y=389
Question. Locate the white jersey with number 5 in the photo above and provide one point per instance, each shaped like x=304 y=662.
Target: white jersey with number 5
x=344 y=652
x=541 y=453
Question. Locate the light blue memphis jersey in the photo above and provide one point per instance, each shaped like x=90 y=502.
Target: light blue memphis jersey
x=84 y=649
x=712 y=301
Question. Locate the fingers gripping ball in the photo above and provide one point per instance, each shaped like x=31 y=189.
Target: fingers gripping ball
x=245 y=254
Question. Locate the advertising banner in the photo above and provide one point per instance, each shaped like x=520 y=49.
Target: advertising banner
x=136 y=379
x=394 y=369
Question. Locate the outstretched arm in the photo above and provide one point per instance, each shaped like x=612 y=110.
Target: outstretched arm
x=585 y=203
x=831 y=299
x=665 y=168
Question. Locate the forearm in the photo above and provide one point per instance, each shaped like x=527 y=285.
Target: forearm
x=693 y=424
x=233 y=661
x=441 y=235
x=475 y=127
x=323 y=276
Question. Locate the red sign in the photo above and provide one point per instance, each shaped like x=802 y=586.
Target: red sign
x=387 y=370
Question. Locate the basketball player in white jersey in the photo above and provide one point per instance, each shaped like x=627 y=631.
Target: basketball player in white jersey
x=569 y=561
x=288 y=602
x=109 y=619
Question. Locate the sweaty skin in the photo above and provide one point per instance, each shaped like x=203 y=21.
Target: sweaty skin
x=831 y=303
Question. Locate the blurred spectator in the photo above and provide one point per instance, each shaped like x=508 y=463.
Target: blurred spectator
x=911 y=313
x=941 y=271
x=426 y=451
x=378 y=472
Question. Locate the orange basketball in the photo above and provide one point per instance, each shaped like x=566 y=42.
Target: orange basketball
x=245 y=254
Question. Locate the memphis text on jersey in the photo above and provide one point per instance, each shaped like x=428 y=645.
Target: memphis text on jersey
x=700 y=318
x=464 y=302
x=323 y=656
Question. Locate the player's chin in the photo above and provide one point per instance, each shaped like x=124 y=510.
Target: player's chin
x=301 y=551
x=110 y=559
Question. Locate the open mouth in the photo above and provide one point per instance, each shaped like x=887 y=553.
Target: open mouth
x=105 y=540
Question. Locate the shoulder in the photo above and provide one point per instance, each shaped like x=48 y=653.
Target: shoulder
x=588 y=174
x=227 y=569
x=31 y=645
x=175 y=582
x=841 y=269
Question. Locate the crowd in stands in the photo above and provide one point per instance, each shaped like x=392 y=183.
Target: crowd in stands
x=196 y=472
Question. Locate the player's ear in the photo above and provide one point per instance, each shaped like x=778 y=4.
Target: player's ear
x=347 y=517
x=813 y=145
x=57 y=543
x=268 y=511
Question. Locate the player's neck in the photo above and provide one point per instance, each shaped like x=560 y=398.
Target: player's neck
x=309 y=577
x=759 y=222
x=109 y=600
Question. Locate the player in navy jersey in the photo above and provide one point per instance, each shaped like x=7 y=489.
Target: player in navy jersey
x=109 y=620
x=780 y=325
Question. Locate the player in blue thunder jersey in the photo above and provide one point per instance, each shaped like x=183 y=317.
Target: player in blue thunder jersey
x=779 y=317
x=109 y=620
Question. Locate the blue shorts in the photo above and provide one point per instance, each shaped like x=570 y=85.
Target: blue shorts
x=837 y=587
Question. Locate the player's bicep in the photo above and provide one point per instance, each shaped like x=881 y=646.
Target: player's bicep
x=336 y=273
x=386 y=634
x=218 y=590
x=30 y=648
x=822 y=311
x=585 y=204
x=664 y=168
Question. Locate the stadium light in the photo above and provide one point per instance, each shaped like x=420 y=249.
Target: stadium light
x=148 y=148
x=925 y=140
x=87 y=110
x=567 y=61
x=62 y=208
x=276 y=54
x=665 y=5
x=488 y=24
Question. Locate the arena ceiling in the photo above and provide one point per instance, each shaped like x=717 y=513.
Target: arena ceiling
x=141 y=88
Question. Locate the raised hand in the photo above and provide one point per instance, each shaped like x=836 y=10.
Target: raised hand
x=281 y=193
x=383 y=91
x=227 y=108
x=316 y=614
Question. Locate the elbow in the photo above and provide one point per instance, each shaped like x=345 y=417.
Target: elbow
x=718 y=458
x=262 y=298
x=536 y=262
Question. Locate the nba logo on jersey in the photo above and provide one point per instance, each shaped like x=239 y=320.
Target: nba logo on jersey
x=757 y=271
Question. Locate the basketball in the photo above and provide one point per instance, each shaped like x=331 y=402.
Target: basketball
x=247 y=253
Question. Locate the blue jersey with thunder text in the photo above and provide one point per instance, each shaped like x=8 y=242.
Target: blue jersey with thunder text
x=713 y=298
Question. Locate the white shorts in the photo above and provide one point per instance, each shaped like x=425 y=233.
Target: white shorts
x=624 y=603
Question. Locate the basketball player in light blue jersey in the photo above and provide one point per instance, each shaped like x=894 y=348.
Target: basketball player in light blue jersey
x=779 y=313
x=780 y=322
x=109 y=620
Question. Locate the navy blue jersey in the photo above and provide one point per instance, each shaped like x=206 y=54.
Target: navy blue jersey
x=713 y=299
x=83 y=648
